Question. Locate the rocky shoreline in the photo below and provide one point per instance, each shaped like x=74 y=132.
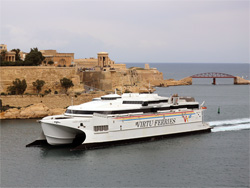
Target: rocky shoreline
x=35 y=111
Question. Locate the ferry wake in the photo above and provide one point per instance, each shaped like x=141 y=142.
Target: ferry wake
x=117 y=118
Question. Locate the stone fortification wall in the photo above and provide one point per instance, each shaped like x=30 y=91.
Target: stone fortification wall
x=137 y=78
x=152 y=76
x=86 y=63
x=51 y=101
x=51 y=76
x=119 y=67
x=97 y=79
x=130 y=79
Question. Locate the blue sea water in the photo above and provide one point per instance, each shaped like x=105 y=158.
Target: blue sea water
x=217 y=159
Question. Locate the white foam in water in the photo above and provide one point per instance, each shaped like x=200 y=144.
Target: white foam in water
x=229 y=122
x=230 y=125
x=231 y=128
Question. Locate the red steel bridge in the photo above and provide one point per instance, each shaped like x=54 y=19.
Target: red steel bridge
x=213 y=75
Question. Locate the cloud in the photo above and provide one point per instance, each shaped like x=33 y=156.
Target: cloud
x=18 y=37
x=146 y=31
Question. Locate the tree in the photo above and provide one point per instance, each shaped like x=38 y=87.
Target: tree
x=38 y=84
x=18 y=87
x=46 y=92
x=34 y=58
x=17 y=56
x=66 y=83
x=3 y=55
x=51 y=62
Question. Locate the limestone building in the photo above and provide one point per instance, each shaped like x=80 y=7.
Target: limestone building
x=59 y=59
x=3 y=47
x=102 y=62
x=23 y=55
x=8 y=56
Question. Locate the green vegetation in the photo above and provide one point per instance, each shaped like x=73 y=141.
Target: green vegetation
x=10 y=63
x=78 y=93
x=127 y=91
x=51 y=62
x=18 y=87
x=66 y=83
x=3 y=55
x=46 y=92
x=33 y=58
x=38 y=84
x=17 y=56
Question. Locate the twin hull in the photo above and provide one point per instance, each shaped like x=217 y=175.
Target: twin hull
x=100 y=128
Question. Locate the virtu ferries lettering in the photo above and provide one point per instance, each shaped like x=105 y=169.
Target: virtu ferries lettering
x=154 y=123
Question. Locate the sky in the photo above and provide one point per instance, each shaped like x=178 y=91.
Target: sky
x=148 y=31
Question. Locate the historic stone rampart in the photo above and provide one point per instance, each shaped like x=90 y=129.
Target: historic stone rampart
x=131 y=79
x=51 y=76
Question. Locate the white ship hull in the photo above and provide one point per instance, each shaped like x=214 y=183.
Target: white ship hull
x=103 y=129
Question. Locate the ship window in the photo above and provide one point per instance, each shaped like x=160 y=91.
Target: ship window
x=101 y=128
x=132 y=102
x=154 y=109
x=62 y=117
x=110 y=98
x=157 y=102
x=191 y=106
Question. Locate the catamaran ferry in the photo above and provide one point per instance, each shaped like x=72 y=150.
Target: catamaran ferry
x=115 y=118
